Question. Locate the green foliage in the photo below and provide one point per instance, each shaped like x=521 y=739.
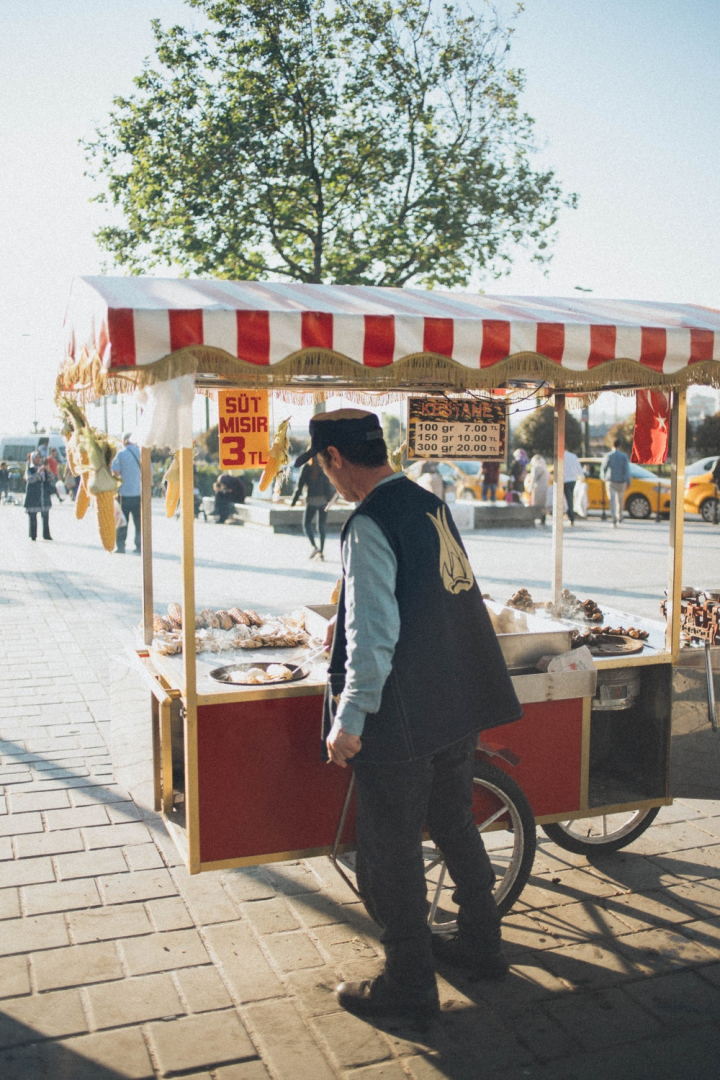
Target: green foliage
x=535 y=433
x=393 y=431
x=706 y=440
x=624 y=430
x=363 y=142
x=205 y=476
x=209 y=441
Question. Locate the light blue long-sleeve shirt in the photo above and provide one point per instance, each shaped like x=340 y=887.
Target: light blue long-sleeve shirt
x=127 y=465
x=615 y=467
x=372 y=619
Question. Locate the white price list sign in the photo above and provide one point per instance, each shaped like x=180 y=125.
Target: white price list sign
x=473 y=429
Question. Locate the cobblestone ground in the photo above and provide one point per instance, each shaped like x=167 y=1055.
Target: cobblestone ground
x=114 y=962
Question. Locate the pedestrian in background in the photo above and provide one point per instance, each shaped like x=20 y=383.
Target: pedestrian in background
x=70 y=481
x=126 y=466
x=228 y=490
x=4 y=481
x=431 y=480
x=518 y=471
x=53 y=463
x=490 y=480
x=39 y=488
x=319 y=493
x=615 y=471
x=573 y=472
x=538 y=482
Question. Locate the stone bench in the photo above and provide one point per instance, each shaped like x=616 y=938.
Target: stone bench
x=280 y=517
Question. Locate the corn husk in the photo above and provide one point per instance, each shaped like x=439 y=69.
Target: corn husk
x=90 y=454
x=395 y=457
x=102 y=481
x=106 y=518
x=279 y=456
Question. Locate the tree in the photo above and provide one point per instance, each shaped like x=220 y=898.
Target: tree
x=624 y=430
x=209 y=442
x=535 y=433
x=363 y=142
x=393 y=431
x=706 y=439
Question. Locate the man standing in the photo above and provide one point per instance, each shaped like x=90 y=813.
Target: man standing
x=126 y=466
x=415 y=673
x=490 y=480
x=615 y=471
x=573 y=471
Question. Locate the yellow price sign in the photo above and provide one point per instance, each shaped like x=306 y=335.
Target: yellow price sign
x=244 y=429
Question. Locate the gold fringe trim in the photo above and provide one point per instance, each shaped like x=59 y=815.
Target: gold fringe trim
x=420 y=372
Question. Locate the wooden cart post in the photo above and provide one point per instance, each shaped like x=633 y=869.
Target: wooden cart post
x=558 y=496
x=146 y=542
x=678 y=424
x=187 y=515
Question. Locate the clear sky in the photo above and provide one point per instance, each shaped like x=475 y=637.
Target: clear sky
x=626 y=95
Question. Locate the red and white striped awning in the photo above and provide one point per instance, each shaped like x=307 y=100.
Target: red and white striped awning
x=125 y=325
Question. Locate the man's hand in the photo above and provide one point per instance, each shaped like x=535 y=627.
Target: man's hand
x=342 y=746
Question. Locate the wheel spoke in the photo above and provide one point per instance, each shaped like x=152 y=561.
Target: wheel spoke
x=436 y=898
x=493 y=817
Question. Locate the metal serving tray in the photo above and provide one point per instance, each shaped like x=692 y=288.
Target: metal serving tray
x=543 y=637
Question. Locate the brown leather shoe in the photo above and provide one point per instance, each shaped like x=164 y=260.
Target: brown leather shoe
x=374 y=998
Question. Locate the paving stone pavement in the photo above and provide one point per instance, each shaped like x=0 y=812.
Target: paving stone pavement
x=114 y=962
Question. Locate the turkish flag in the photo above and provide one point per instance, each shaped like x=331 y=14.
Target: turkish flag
x=652 y=427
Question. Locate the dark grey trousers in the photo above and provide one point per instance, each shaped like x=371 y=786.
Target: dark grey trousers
x=394 y=801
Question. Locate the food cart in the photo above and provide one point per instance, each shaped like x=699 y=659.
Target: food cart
x=238 y=773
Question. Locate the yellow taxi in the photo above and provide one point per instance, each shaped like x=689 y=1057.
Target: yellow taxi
x=700 y=491
x=462 y=477
x=644 y=492
x=467 y=476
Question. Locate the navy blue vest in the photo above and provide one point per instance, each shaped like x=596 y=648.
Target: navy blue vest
x=448 y=675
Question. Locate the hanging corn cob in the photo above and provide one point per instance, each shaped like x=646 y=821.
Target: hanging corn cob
x=90 y=454
x=279 y=455
x=82 y=498
x=172 y=491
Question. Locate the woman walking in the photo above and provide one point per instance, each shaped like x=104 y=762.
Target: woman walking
x=539 y=482
x=40 y=485
x=319 y=493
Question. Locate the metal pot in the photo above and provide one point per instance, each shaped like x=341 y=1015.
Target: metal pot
x=617 y=688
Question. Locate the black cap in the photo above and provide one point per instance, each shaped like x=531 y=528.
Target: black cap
x=342 y=428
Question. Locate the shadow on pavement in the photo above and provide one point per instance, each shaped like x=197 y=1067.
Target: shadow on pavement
x=22 y=1057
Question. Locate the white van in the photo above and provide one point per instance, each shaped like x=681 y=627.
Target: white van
x=15 y=448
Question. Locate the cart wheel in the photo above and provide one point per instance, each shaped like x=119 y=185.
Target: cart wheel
x=603 y=834
x=511 y=848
